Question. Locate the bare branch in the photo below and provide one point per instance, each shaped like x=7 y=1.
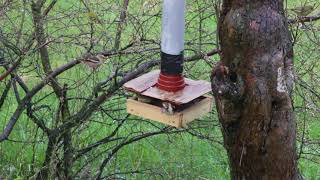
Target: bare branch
x=29 y=96
x=303 y=19
x=123 y=16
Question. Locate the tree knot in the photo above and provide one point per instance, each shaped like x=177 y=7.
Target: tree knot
x=225 y=83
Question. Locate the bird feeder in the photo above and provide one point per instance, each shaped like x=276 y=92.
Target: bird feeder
x=167 y=96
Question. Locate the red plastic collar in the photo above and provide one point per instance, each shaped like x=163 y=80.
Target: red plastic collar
x=172 y=83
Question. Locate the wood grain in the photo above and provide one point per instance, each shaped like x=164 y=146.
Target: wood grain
x=145 y=85
x=143 y=82
x=178 y=119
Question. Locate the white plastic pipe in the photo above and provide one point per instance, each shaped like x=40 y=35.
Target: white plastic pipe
x=173 y=26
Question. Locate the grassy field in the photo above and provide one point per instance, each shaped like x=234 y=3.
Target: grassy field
x=176 y=156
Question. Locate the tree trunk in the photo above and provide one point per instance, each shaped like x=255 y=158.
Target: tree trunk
x=252 y=86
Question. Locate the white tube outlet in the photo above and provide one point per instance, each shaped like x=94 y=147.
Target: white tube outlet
x=173 y=26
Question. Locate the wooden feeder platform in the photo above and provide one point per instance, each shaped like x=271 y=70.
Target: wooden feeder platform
x=172 y=108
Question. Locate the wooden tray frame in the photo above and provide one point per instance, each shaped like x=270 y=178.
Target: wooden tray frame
x=177 y=119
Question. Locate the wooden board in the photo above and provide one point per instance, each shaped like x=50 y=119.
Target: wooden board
x=143 y=82
x=193 y=90
x=178 y=119
x=145 y=85
x=197 y=110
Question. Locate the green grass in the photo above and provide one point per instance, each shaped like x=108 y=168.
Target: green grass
x=177 y=156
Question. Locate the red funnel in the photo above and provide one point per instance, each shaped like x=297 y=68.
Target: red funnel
x=172 y=83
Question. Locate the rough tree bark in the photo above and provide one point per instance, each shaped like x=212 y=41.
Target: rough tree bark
x=252 y=85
